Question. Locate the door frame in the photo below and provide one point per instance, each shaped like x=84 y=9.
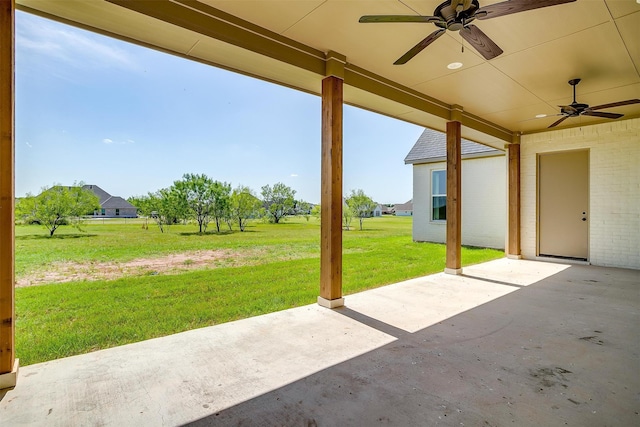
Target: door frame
x=538 y=155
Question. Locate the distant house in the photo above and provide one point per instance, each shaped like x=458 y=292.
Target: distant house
x=404 y=209
x=388 y=210
x=377 y=211
x=111 y=206
x=483 y=191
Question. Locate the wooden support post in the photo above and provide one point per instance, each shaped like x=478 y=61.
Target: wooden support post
x=454 y=199
x=513 y=249
x=8 y=363
x=331 y=196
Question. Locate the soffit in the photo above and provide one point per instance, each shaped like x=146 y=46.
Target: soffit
x=285 y=42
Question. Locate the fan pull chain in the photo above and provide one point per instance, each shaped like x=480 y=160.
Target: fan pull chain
x=461 y=39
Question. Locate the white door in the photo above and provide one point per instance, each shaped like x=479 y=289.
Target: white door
x=563 y=202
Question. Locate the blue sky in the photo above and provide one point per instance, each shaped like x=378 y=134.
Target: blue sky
x=133 y=120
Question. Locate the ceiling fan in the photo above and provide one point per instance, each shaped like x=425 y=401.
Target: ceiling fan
x=457 y=15
x=576 y=109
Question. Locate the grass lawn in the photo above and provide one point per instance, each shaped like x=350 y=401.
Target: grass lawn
x=271 y=267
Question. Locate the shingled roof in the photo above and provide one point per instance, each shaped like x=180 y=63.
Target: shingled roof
x=102 y=195
x=107 y=201
x=116 y=202
x=431 y=147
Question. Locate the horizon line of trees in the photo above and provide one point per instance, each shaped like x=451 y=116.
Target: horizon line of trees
x=195 y=197
x=200 y=198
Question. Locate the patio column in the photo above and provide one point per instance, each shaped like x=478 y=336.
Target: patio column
x=8 y=363
x=513 y=247
x=454 y=199
x=331 y=193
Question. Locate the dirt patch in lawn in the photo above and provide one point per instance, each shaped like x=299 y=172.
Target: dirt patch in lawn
x=168 y=264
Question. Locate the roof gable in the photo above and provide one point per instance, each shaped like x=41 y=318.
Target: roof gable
x=102 y=195
x=431 y=147
x=117 y=203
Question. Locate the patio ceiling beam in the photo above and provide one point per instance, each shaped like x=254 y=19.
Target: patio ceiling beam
x=208 y=21
x=331 y=189
x=211 y=22
x=454 y=196
x=362 y=79
x=8 y=363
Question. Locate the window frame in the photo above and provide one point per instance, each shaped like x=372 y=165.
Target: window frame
x=433 y=195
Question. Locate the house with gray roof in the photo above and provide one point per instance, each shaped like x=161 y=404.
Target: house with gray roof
x=111 y=206
x=484 y=191
x=404 y=209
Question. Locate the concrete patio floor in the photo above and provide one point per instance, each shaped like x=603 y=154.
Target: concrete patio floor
x=511 y=342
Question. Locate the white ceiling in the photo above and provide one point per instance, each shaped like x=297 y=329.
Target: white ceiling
x=286 y=41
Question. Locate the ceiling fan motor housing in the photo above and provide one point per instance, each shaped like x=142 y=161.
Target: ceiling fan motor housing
x=575 y=109
x=456 y=14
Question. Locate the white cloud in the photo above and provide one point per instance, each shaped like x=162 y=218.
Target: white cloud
x=124 y=142
x=70 y=45
x=294 y=175
x=28 y=144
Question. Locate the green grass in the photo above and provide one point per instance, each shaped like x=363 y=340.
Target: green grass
x=62 y=319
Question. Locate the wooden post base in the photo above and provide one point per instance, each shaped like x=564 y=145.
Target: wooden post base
x=330 y=303
x=10 y=379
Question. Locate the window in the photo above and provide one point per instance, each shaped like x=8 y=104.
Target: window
x=117 y=212
x=439 y=195
x=102 y=211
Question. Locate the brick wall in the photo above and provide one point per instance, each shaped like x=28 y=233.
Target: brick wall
x=483 y=203
x=614 y=195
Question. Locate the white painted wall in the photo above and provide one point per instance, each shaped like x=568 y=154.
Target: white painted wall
x=614 y=196
x=484 y=203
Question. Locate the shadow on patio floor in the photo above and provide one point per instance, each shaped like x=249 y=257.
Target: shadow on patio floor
x=563 y=351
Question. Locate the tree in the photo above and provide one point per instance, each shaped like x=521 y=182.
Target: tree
x=165 y=206
x=197 y=193
x=347 y=216
x=244 y=205
x=143 y=206
x=361 y=205
x=316 y=212
x=59 y=205
x=221 y=192
x=278 y=201
x=141 y=203
x=303 y=208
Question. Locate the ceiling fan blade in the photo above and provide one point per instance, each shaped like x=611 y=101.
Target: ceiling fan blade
x=367 y=19
x=480 y=41
x=602 y=114
x=418 y=48
x=616 y=104
x=554 y=124
x=515 y=6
